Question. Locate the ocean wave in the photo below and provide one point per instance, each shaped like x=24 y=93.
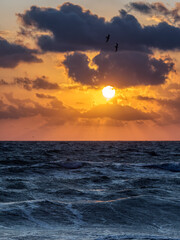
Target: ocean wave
x=136 y=237
x=90 y=187
x=172 y=167
x=134 y=211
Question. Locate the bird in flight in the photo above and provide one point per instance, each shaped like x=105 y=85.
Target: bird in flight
x=107 y=38
x=116 y=47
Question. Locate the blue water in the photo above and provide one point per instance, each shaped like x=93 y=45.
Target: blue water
x=89 y=190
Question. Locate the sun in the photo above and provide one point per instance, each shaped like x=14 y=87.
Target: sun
x=108 y=92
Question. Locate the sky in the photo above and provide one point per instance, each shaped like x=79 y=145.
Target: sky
x=55 y=61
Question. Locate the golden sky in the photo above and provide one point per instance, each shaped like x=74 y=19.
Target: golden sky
x=55 y=61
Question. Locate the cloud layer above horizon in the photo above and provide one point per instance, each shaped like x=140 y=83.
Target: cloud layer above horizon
x=145 y=66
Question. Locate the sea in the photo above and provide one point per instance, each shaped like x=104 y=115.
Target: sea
x=89 y=190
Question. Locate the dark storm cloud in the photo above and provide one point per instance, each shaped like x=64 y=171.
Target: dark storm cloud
x=121 y=69
x=38 y=83
x=45 y=96
x=157 y=8
x=12 y=54
x=117 y=112
x=71 y=29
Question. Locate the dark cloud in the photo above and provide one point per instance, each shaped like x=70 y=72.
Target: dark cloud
x=73 y=29
x=140 y=6
x=121 y=69
x=77 y=65
x=26 y=83
x=117 y=112
x=45 y=96
x=12 y=54
x=42 y=83
x=38 y=83
x=157 y=8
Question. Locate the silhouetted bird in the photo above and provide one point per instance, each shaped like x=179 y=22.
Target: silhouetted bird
x=107 y=38
x=116 y=47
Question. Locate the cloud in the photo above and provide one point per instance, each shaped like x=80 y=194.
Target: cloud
x=44 y=96
x=145 y=98
x=3 y=82
x=140 y=6
x=120 y=113
x=171 y=104
x=12 y=54
x=157 y=8
x=54 y=113
x=77 y=65
x=120 y=70
x=71 y=28
x=165 y=103
x=38 y=83
x=169 y=109
x=173 y=86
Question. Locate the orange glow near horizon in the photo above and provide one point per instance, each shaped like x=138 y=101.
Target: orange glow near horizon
x=93 y=93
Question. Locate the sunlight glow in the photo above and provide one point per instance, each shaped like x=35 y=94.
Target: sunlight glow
x=108 y=92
